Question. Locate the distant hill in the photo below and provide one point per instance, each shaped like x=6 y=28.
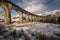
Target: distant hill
x=55 y=13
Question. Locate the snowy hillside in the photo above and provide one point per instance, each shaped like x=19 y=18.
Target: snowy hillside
x=55 y=13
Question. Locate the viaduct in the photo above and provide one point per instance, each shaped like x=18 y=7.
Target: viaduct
x=8 y=6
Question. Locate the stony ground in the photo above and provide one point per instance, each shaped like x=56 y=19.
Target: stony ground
x=34 y=31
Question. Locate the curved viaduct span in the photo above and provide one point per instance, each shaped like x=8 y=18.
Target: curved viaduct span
x=8 y=6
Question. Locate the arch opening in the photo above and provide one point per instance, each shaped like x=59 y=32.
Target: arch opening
x=14 y=16
x=1 y=15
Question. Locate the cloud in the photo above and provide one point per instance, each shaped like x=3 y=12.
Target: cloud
x=30 y=2
x=16 y=16
x=54 y=13
x=39 y=14
x=38 y=6
x=35 y=6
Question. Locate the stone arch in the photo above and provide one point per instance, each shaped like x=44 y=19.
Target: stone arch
x=14 y=16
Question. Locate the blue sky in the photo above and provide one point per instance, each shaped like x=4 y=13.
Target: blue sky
x=37 y=6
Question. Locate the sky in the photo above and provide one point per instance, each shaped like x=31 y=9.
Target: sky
x=37 y=6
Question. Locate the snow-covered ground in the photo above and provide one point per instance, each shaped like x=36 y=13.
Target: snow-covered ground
x=41 y=29
x=37 y=31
